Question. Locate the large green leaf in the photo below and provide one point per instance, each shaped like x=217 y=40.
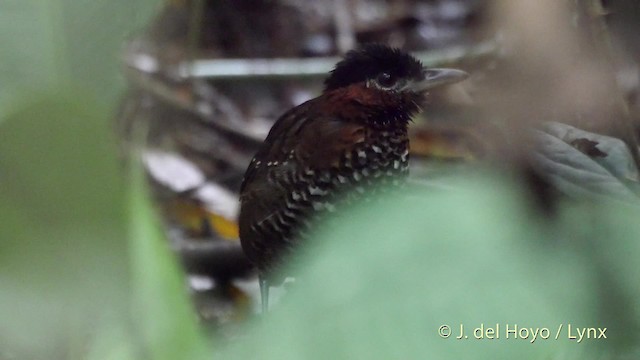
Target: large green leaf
x=382 y=280
x=63 y=268
x=64 y=255
x=161 y=305
x=45 y=43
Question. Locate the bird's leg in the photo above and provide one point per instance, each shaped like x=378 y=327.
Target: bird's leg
x=264 y=293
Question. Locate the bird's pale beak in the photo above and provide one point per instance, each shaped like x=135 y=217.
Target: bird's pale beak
x=438 y=77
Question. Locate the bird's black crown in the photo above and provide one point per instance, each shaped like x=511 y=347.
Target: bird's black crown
x=372 y=61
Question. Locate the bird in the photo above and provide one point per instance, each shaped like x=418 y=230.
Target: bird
x=332 y=150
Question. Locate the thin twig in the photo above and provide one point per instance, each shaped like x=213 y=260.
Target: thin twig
x=313 y=67
x=168 y=95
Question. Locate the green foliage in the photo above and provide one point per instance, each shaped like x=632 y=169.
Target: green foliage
x=62 y=225
x=378 y=284
x=84 y=269
x=48 y=43
x=161 y=304
x=70 y=231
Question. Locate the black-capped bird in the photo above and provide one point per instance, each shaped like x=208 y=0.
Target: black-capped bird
x=331 y=150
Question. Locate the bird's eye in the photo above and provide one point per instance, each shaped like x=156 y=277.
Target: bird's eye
x=385 y=80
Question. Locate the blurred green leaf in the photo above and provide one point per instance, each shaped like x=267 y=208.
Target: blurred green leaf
x=48 y=43
x=36 y=63
x=380 y=281
x=62 y=225
x=161 y=305
x=606 y=237
x=64 y=279
x=112 y=342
